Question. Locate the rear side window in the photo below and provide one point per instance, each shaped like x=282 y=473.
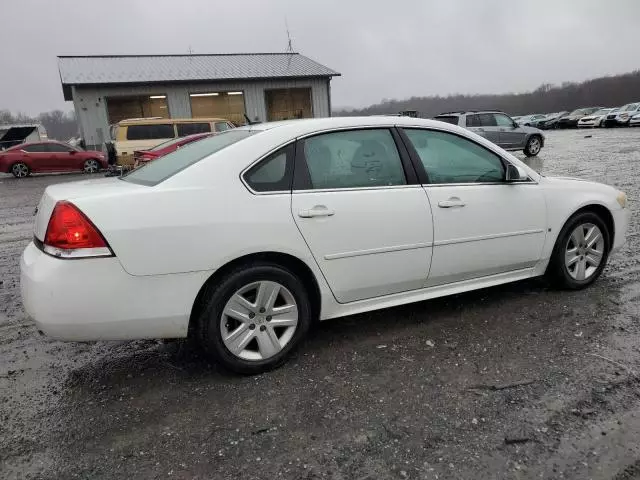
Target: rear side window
x=168 y=165
x=473 y=121
x=447 y=119
x=56 y=147
x=37 y=148
x=150 y=132
x=274 y=173
x=185 y=129
x=353 y=159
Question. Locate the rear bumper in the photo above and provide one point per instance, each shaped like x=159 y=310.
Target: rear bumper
x=95 y=299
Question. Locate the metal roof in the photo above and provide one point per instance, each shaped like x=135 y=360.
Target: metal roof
x=119 y=69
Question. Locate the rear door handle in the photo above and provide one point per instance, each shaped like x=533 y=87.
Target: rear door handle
x=317 y=211
x=451 y=203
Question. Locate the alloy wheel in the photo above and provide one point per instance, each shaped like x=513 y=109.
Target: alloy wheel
x=259 y=320
x=20 y=170
x=584 y=251
x=534 y=146
x=91 y=166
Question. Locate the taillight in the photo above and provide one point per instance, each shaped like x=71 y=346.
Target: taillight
x=70 y=234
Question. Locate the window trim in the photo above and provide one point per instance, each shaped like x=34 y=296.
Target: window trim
x=422 y=173
x=302 y=178
x=291 y=164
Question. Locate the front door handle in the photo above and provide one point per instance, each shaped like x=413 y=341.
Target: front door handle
x=451 y=203
x=317 y=211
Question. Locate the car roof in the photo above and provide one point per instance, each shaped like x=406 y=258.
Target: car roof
x=466 y=112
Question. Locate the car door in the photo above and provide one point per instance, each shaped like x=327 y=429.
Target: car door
x=511 y=135
x=62 y=159
x=487 y=127
x=37 y=157
x=361 y=211
x=482 y=225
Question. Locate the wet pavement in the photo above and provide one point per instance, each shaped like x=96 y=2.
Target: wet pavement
x=518 y=381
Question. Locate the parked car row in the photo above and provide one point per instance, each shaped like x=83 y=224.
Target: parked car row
x=584 y=117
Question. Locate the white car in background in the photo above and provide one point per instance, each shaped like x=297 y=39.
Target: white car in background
x=623 y=115
x=596 y=119
x=244 y=239
x=635 y=121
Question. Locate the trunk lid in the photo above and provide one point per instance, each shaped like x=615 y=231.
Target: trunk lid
x=105 y=187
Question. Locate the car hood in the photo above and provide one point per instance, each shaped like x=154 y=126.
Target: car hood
x=579 y=184
x=531 y=130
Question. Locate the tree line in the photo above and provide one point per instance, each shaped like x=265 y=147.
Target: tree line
x=59 y=125
x=611 y=91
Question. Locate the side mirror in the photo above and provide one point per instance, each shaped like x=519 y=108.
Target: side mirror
x=515 y=125
x=73 y=152
x=515 y=174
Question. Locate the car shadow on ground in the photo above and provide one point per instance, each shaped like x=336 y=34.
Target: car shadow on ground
x=119 y=363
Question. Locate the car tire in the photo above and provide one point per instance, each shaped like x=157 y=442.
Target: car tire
x=533 y=146
x=91 y=166
x=235 y=325
x=20 y=170
x=572 y=265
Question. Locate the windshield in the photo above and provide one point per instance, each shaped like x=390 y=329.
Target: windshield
x=602 y=111
x=630 y=107
x=164 y=167
x=578 y=111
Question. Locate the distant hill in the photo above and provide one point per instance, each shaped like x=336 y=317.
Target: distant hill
x=610 y=91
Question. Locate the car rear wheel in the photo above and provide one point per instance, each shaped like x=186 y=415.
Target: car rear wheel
x=20 y=170
x=580 y=253
x=254 y=318
x=534 y=144
x=91 y=166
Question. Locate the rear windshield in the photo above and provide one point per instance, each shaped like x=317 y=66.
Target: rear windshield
x=164 y=167
x=166 y=144
x=447 y=119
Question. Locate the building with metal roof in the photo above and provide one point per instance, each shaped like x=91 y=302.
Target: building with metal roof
x=261 y=86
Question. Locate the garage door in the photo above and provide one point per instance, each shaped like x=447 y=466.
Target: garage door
x=144 y=106
x=228 y=105
x=288 y=103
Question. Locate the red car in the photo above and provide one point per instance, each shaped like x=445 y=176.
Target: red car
x=143 y=156
x=27 y=158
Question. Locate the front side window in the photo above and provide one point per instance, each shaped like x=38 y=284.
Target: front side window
x=487 y=120
x=502 y=120
x=354 y=158
x=58 y=148
x=221 y=126
x=150 y=132
x=448 y=158
x=274 y=173
x=185 y=129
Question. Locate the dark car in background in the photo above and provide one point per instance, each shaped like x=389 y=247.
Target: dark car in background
x=571 y=120
x=40 y=157
x=550 y=121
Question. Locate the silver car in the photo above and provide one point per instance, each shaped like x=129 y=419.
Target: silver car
x=499 y=128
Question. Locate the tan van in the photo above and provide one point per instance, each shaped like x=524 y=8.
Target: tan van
x=145 y=133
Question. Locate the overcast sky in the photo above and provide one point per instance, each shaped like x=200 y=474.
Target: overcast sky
x=384 y=49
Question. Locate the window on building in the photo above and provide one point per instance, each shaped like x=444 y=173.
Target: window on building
x=139 y=106
x=227 y=105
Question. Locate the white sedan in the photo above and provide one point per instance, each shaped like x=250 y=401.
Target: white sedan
x=246 y=238
x=596 y=119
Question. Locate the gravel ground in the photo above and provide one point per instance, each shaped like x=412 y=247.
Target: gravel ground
x=423 y=391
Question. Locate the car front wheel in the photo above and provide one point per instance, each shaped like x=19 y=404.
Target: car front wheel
x=20 y=170
x=580 y=253
x=91 y=166
x=534 y=144
x=254 y=318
